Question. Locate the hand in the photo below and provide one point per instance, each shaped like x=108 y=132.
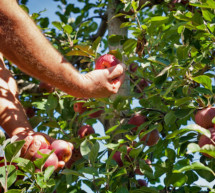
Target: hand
x=103 y=83
x=34 y=142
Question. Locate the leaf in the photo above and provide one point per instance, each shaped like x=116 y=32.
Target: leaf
x=176 y=179
x=159 y=60
x=57 y=24
x=77 y=53
x=129 y=45
x=48 y=172
x=111 y=129
x=2 y=137
x=41 y=161
x=162 y=76
x=188 y=128
x=170 y=118
x=72 y=172
x=94 y=152
x=114 y=40
x=207 y=149
x=12 y=174
x=86 y=48
x=195 y=166
x=122 y=189
x=68 y=29
x=12 y=150
x=89 y=170
x=85 y=148
x=207 y=15
x=204 y=80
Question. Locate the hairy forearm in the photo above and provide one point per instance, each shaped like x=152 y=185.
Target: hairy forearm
x=24 y=44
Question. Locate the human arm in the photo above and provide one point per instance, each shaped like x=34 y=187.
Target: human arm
x=24 y=44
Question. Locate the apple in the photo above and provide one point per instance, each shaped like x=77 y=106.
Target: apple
x=203 y=140
x=137 y=120
x=97 y=113
x=51 y=161
x=137 y=170
x=45 y=87
x=141 y=85
x=76 y=155
x=106 y=61
x=30 y=112
x=204 y=117
x=133 y=67
x=44 y=142
x=142 y=182
x=151 y=138
x=62 y=149
x=79 y=108
x=117 y=157
x=85 y=130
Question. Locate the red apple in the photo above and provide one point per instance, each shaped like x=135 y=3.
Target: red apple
x=133 y=67
x=63 y=150
x=76 y=155
x=85 y=130
x=51 y=161
x=106 y=61
x=203 y=140
x=137 y=120
x=137 y=170
x=141 y=85
x=117 y=156
x=44 y=142
x=30 y=112
x=204 y=117
x=79 y=107
x=151 y=138
x=142 y=183
x=97 y=113
x=45 y=87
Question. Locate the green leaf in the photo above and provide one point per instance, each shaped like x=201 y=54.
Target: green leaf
x=204 y=80
x=170 y=118
x=195 y=166
x=2 y=137
x=48 y=172
x=114 y=40
x=176 y=179
x=85 y=148
x=68 y=29
x=129 y=45
x=12 y=174
x=94 y=152
x=57 y=24
x=72 y=172
x=41 y=161
x=89 y=170
x=162 y=76
x=207 y=149
x=12 y=150
x=77 y=53
x=159 y=60
x=207 y=15
x=188 y=128
x=111 y=129
x=122 y=189
x=182 y=52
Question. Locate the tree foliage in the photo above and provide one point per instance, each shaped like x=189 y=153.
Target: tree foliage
x=172 y=44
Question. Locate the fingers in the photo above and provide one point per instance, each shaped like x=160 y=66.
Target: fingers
x=28 y=141
x=115 y=72
x=34 y=147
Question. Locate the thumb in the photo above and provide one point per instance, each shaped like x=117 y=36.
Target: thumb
x=116 y=71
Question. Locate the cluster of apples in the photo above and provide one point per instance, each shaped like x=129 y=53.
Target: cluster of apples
x=204 y=118
x=62 y=152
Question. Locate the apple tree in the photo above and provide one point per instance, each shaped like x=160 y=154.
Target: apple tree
x=147 y=137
